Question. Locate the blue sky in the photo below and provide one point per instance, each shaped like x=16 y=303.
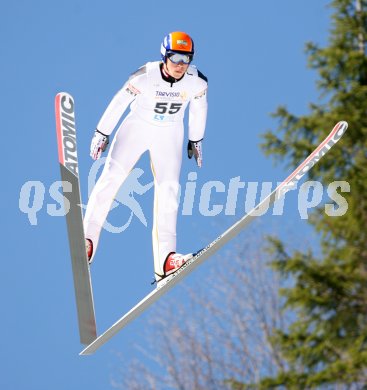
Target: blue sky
x=253 y=55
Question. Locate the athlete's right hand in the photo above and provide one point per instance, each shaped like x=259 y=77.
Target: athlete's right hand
x=98 y=145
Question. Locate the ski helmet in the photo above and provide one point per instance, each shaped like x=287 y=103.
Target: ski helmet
x=177 y=42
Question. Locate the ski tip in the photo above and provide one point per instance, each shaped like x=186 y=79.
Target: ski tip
x=62 y=96
x=340 y=128
x=59 y=94
x=343 y=124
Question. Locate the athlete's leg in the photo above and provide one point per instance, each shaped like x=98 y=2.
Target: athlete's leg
x=128 y=145
x=166 y=158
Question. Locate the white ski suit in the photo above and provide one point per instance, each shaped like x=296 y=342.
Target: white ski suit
x=155 y=123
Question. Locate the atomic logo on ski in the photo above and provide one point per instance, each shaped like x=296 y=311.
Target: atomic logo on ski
x=66 y=133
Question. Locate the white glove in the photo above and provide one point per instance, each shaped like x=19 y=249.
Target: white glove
x=98 y=145
x=194 y=148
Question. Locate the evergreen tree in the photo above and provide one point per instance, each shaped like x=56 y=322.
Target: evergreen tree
x=327 y=343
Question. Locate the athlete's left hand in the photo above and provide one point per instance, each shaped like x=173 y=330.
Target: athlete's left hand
x=194 y=148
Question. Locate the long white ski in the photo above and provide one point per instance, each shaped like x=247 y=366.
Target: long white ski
x=67 y=148
x=167 y=283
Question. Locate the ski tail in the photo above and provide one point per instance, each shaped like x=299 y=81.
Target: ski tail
x=68 y=159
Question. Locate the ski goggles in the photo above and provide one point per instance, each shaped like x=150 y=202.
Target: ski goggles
x=178 y=58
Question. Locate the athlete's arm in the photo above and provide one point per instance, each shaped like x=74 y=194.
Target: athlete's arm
x=198 y=110
x=197 y=121
x=116 y=108
x=197 y=117
x=121 y=101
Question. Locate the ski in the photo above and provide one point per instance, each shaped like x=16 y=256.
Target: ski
x=166 y=284
x=67 y=151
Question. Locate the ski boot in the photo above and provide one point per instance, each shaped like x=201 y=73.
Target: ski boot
x=173 y=262
x=89 y=249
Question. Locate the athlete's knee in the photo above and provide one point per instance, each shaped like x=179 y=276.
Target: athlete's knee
x=168 y=193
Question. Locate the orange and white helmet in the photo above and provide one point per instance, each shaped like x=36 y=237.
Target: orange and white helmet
x=178 y=42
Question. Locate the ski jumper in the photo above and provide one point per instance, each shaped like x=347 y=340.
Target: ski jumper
x=154 y=123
